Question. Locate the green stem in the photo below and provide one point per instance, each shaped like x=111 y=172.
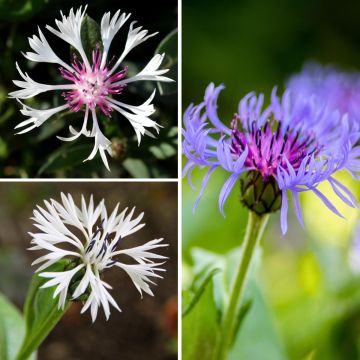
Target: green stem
x=33 y=339
x=254 y=230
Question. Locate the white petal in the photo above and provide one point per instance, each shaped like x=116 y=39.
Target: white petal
x=32 y=88
x=37 y=116
x=43 y=52
x=138 y=121
x=83 y=130
x=70 y=31
x=102 y=143
x=140 y=275
x=135 y=37
x=109 y=28
x=150 y=72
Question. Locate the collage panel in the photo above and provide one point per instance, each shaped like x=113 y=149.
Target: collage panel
x=270 y=194
x=88 y=90
x=109 y=250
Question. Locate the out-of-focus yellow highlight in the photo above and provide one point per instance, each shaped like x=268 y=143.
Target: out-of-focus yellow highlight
x=310 y=274
x=324 y=225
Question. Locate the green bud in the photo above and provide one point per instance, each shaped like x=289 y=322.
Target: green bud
x=259 y=195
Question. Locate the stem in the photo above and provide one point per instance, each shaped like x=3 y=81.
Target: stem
x=254 y=230
x=28 y=347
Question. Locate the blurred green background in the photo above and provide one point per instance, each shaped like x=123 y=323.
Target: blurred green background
x=146 y=328
x=39 y=153
x=307 y=296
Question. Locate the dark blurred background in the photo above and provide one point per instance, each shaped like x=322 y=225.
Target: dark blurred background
x=39 y=153
x=309 y=289
x=146 y=328
x=256 y=44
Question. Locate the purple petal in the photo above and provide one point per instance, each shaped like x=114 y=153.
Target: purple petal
x=211 y=96
x=239 y=163
x=284 y=211
x=225 y=191
x=203 y=185
x=338 y=187
x=297 y=207
x=327 y=202
x=224 y=155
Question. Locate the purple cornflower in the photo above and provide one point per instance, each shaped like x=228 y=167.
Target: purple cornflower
x=339 y=90
x=292 y=144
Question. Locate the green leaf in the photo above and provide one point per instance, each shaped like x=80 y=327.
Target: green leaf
x=200 y=327
x=90 y=35
x=197 y=292
x=257 y=335
x=254 y=324
x=169 y=46
x=54 y=125
x=244 y=309
x=20 y=9
x=136 y=168
x=163 y=151
x=12 y=330
x=67 y=157
x=41 y=312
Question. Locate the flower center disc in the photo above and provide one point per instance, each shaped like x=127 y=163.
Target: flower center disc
x=92 y=84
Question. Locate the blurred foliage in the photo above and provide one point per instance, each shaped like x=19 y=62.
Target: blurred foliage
x=12 y=330
x=39 y=153
x=305 y=297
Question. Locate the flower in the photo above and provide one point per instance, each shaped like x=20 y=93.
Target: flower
x=339 y=90
x=91 y=85
x=292 y=145
x=89 y=239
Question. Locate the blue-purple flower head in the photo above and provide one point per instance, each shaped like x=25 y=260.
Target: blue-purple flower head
x=336 y=89
x=293 y=142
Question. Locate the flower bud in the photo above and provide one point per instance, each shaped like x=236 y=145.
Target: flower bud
x=260 y=195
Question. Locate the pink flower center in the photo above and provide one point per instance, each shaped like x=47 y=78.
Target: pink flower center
x=93 y=85
x=270 y=147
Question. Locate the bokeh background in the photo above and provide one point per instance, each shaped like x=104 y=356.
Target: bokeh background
x=146 y=328
x=308 y=300
x=39 y=153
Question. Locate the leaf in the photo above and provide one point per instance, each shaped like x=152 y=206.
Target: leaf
x=20 y=9
x=163 y=151
x=136 y=168
x=254 y=324
x=244 y=309
x=53 y=126
x=67 y=157
x=90 y=35
x=257 y=335
x=200 y=328
x=169 y=46
x=12 y=330
x=195 y=294
x=41 y=312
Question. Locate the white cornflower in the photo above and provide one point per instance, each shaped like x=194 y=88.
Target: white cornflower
x=92 y=248
x=92 y=85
